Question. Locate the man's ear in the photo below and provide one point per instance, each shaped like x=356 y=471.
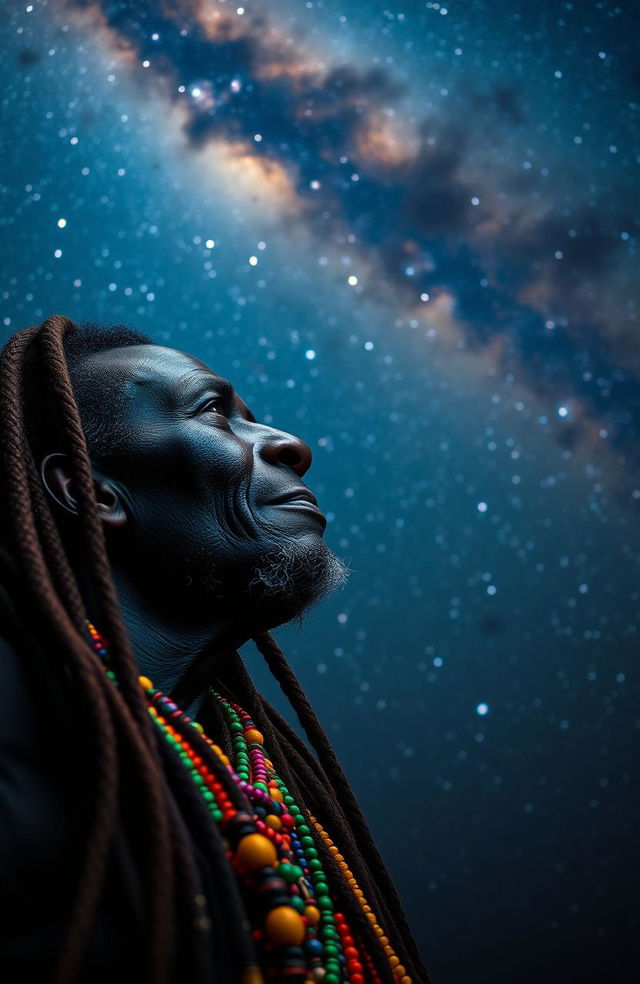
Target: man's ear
x=56 y=476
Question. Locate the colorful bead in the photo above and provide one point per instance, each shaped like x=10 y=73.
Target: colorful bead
x=284 y=926
x=255 y=851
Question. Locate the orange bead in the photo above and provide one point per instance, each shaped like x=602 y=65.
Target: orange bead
x=399 y=971
x=276 y=795
x=405 y=980
x=252 y=734
x=284 y=926
x=145 y=683
x=256 y=851
x=312 y=914
x=394 y=961
x=272 y=821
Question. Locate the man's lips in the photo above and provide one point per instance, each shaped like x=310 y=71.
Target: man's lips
x=301 y=498
x=295 y=495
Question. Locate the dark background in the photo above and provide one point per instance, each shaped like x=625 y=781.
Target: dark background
x=407 y=233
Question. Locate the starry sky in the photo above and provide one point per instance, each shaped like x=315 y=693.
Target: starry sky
x=408 y=233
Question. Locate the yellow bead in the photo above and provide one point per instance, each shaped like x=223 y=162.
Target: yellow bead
x=312 y=914
x=273 y=821
x=276 y=795
x=145 y=683
x=254 y=735
x=284 y=926
x=256 y=851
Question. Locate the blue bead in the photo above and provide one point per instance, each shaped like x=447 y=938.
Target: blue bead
x=314 y=948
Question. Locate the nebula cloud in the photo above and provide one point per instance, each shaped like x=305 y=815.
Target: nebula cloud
x=435 y=228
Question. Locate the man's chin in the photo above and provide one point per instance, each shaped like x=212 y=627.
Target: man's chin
x=291 y=578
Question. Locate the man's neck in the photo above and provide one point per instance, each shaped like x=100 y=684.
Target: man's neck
x=178 y=651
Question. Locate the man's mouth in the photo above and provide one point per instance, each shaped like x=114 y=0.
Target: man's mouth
x=300 y=498
x=295 y=495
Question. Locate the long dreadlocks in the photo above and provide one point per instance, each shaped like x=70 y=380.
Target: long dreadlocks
x=137 y=780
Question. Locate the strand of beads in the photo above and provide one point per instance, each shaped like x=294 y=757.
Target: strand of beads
x=251 y=761
x=394 y=960
x=254 y=854
x=352 y=953
x=323 y=945
x=255 y=851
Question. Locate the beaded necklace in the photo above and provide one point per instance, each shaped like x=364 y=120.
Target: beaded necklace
x=300 y=937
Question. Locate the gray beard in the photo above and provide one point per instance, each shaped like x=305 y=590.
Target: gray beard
x=288 y=581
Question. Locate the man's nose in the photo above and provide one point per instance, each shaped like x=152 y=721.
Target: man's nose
x=281 y=448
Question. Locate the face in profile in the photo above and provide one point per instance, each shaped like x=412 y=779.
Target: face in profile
x=214 y=508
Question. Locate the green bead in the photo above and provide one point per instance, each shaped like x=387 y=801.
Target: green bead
x=298 y=904
x=330 y=978
x=331 y=950
x=324 y=902
x=303 y=829
x=311 y=852
x=290 y=872
x=322 y=888
x=306 y=841
x=315 y=865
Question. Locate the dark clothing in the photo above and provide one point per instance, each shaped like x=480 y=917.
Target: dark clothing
x=44 y=781
x=45 y=789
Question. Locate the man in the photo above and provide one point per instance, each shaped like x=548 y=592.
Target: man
x=151 y=526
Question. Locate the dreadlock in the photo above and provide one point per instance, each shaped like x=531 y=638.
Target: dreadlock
x=137 y=780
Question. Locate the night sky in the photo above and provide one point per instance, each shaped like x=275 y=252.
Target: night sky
x=408 y=233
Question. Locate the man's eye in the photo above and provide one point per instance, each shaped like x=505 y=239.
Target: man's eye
x=217 y=405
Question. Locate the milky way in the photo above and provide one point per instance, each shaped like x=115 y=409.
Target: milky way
x=540 y=264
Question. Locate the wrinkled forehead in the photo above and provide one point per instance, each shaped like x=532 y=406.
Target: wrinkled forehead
x=147 y=374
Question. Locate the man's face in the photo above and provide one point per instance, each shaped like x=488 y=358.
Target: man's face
x=216 y=509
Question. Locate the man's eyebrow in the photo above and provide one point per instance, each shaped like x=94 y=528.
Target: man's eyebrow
x=194 y=386
x=219 y=384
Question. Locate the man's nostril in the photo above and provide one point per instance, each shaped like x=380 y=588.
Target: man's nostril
x=290 y=457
